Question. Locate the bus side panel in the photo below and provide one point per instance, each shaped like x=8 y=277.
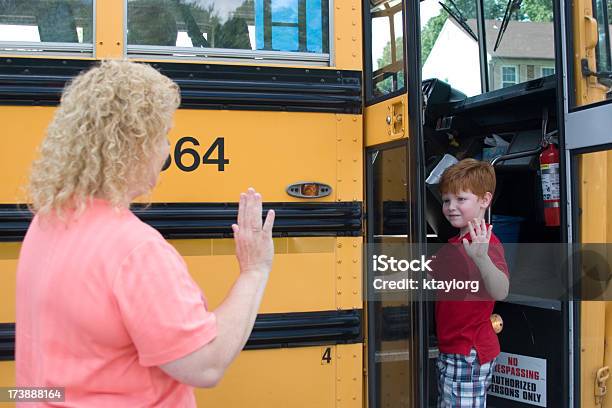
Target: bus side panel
x=299 y=377
x=304 y=276
x=593 y=191
x=7 y=379
x=265 y=150
x=9 y=252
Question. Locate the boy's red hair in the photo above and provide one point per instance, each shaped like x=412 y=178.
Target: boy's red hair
x=468 y=175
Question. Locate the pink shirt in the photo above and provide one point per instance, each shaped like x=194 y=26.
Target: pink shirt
x=100 y=304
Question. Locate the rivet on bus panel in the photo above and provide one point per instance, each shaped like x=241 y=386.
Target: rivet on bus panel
x=339 y=261
x=339 y=244
x=339 y=292
x=354 y=292
x=354 y=245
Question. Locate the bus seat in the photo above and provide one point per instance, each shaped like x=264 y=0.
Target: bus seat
x=56 y=22
x=434 y=216
x=522 y=141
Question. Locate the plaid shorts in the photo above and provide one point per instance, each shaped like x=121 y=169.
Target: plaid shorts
x=463 y=381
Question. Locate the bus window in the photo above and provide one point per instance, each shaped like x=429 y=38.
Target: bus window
x=387 y=47
x=449 y=44
x=39 y=26
x=296 y=30
x=602 y=11
x=520 y=42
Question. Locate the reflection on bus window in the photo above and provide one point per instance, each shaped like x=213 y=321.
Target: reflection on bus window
x=387 y=47
x=449 y=44
x=602 y=11
x=520 y=41
x=272 y=25
x=58 y=21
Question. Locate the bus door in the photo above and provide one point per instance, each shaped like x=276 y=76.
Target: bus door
x=490 y=97
x=392 y=335
x=588 y=120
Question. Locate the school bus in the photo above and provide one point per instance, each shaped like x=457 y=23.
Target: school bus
x=338 y=112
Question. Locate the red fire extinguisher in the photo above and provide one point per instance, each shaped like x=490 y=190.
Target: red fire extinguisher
x=549 y=170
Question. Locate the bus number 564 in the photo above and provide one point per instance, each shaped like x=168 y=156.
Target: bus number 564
x=188 y=159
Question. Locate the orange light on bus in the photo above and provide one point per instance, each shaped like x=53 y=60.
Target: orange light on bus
x=310 y=190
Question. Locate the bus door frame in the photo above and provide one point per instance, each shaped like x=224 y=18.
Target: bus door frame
x=412 y=60
x=415 y=186
x=584 y=129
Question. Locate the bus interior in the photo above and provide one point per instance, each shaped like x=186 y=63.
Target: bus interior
x=508 y=124
x=522 y=116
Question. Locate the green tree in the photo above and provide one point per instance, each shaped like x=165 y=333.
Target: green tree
x=535 y=10
x=386 y=85
x=385 y=59
x=429 y=34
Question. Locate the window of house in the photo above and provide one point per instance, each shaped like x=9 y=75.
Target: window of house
x=508 y=76
x=36 y=26
x=294 y=30
x=546 y=71
x=510 y=25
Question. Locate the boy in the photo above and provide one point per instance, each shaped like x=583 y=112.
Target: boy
x=466 y=340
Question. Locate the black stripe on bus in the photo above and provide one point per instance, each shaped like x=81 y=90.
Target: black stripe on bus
x=270 y=331
x=306 y=329
x=7 y=341
x=209 y=220
x=33 y=81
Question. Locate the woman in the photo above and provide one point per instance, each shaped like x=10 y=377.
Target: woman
x=105 y=306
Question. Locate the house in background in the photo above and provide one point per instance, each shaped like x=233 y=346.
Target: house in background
x=526 y=52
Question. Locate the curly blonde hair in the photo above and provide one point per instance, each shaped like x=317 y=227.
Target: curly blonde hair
x=103 y=137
